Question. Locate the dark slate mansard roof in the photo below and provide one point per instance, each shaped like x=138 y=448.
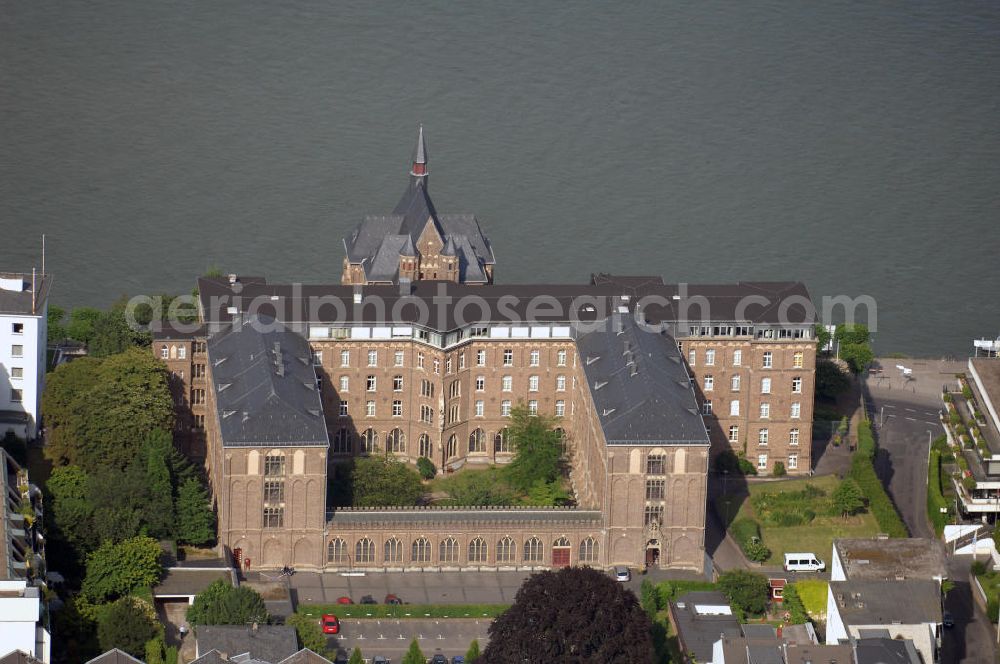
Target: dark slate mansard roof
x=265 y=386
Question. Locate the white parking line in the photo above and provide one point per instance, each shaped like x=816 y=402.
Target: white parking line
x=911 y=419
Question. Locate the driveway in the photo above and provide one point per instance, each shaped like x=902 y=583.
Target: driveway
x=972 y=638
x=391 y=638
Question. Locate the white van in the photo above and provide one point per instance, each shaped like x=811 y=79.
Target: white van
x=803 y=562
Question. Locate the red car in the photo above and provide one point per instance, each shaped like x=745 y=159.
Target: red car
x=331 y=625
x=345 y=600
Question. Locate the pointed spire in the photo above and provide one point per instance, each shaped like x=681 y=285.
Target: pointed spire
x=449 y=247
x=419 y=168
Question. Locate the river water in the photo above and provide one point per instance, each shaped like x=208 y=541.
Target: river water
x=849 y=144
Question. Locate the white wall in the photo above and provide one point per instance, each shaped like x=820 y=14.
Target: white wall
x=836 y=566
x=835 y=629
x=33 y=338
x=18 y=618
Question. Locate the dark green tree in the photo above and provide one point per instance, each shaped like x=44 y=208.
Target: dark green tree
x=472 y=654
x=847 y=498
x=156 y=650
x=309 y=632
x=414 y=655
x=127 y=625
x=82 y=323
x=195 y=519
x=158 y=508
x=855 y=346
x=70 y=507
x=831 y=382
x=537 y=450
x=54 y=324
x=113 y=333
x=547 y=494
x=822 y=336
x=222 y=604
x=379 y=481
x=117 y=569
x=426 y=468
x=747 y=592
x=356 y=657
x=575 y=615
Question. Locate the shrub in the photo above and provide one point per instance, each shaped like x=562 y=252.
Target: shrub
x=746 y=467
x=935 y=498
x=222 y=604
x=779 y=469
x=747 y=592
x=978 y=568
x=863 y=472
x=793 y=605
x=309 y=632
x=948 y=398
x=969 y=483
x=966 y=391
x=743 y=530
x=426 y=468
x=756 y=551
x=842 y=427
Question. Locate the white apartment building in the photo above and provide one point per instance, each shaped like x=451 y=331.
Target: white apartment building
x=23 y=336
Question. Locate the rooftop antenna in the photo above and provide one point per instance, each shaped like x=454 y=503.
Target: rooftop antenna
x=43 y=254
x=34 y=297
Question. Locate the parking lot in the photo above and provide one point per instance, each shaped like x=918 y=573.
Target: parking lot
x=391 y=638
x=411 y=587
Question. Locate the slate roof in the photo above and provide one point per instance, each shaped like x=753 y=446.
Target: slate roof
x=115 y=656
x=268 y=643
x=19 y=302
x=884 y=650
x=698 y=633
x=871 y=602
x=640 y=387
x=265 y=386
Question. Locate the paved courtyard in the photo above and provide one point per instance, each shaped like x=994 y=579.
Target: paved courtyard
x=411 y=587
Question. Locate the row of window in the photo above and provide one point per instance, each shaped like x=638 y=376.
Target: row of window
x=173 y=352
x=427 y=412
x=795 y=412
x=767 y=359
x=763 y=435
x=448 y=551
x=399 y=357
x=454 y=389
x=793 y=462
x=708 y=384
x=395 y=442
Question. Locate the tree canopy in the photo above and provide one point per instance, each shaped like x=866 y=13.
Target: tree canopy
x=574 y=615
x=222 y=604
x=414 y=655
x=537 y=450
x=99 y=410
x=116 y=569
x=830 y=380
x=847 y=498
x=855 y=346
x=378 y=481
x=747 y=592
x=127 y=624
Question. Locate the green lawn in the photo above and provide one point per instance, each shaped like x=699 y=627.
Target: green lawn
x=813 y=596
x=816 y=536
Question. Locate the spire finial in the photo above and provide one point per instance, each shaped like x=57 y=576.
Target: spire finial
x=419 y=168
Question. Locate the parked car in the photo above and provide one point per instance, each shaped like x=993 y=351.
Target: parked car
x=379 y=659
x=331 y=625
x=344 y=599
x=622 y=574
x=458 y=659
x=368 y=599
x=803 y=562
x=392 y=599
x=947 y=619
x=439 y=659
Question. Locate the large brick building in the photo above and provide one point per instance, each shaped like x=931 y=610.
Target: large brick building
x=277 y=383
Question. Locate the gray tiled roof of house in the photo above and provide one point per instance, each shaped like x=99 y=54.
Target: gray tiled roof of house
x=875 y=602
x=698 y=632
x=265 y=386
x=21 y=301
x=640 y=386
x=885 y=650
x=268 y=643
x=114 y=656
x=431 y=515
x=305 y=656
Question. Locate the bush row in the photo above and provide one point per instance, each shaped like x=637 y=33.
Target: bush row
x=935 y=497
x=863 y=472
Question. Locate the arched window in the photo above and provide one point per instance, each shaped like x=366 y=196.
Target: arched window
x=588 y=551
x=477 y=441
x=364 y=551
x=562 y=541
x=393 y=551
x=336 y=551
x=506 y=550
x=369 y=441
x=164 y=352
x=395 y=442
x=342 y=442
x=425 y=445
x=421 y=550
x=477 y=550
x=452 y=446
x=449 y=550
x=501 y=441
x=533 y=550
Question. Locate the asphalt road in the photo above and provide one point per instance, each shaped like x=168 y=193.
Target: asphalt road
x=391 y=638
x=971 y=640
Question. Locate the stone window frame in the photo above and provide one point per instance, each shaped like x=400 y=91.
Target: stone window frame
x=534 y=552
x=448 y=550
x=364 y=551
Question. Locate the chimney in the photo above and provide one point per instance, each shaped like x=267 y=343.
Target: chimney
x=233 y=279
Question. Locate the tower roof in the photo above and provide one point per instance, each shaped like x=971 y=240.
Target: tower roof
x=419 y=168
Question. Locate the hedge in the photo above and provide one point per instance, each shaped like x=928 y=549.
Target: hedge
x=863 y=472
x=935 y=498
x=671 y=590
x=792 y=604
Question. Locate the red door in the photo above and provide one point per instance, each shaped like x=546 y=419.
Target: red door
x=560 y=556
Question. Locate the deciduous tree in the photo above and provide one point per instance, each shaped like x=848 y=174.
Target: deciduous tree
x=127 y=625
x=379 y=481
x=576 y=615
x=222 y=604
x=847 y=498
x=537 y=450
x=116 y=569
x=747 y=591
x=195 y=519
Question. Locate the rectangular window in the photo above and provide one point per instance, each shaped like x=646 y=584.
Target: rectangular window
x=768 y=360
x=533 y=383
x=797 y=385
x=793 y=437
x=369 y=409
x=447 y=365
x=656 y=464
x=508 y=357
x=656 y=489
x=480 y=383
x=345 y=383
x=560 y=408
x=420 y=360
x=371 y=383
x=765 y=385
x=17 y=328
x=561 y=358
x=426 y=388
x=735 y=383
x=274 y=491
x=706 y=408
x=507 y=383
x=16 y=396
x=343 y=408
x=560 y=383
x=437 y=365
x=398 y=358
x=505 y=408
x=345 y=358
x=274 y=465
x=198 y=396
x=480 y=408
x=535 y=358
x=199 y=370
x=761 y=462
x=164 y=353
x=734 y=408
x=796 y=410
x=710 y=357
x=797 y=360
x=274 y=517
x=199 y=422
x=182 y=352
x=653 y=514
x=17 y=372
x=765 y=411
x=373 y=358
x=793 y=461
x=397 y=408
x=397 y=383
x=692 y=355
x=480 y=358
x=532 y=407
x=317 y=358
x=737 y=358
x=426 y=415
x=709 y=383
x=17 y=350
x=734 y=434
x=762 y=437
